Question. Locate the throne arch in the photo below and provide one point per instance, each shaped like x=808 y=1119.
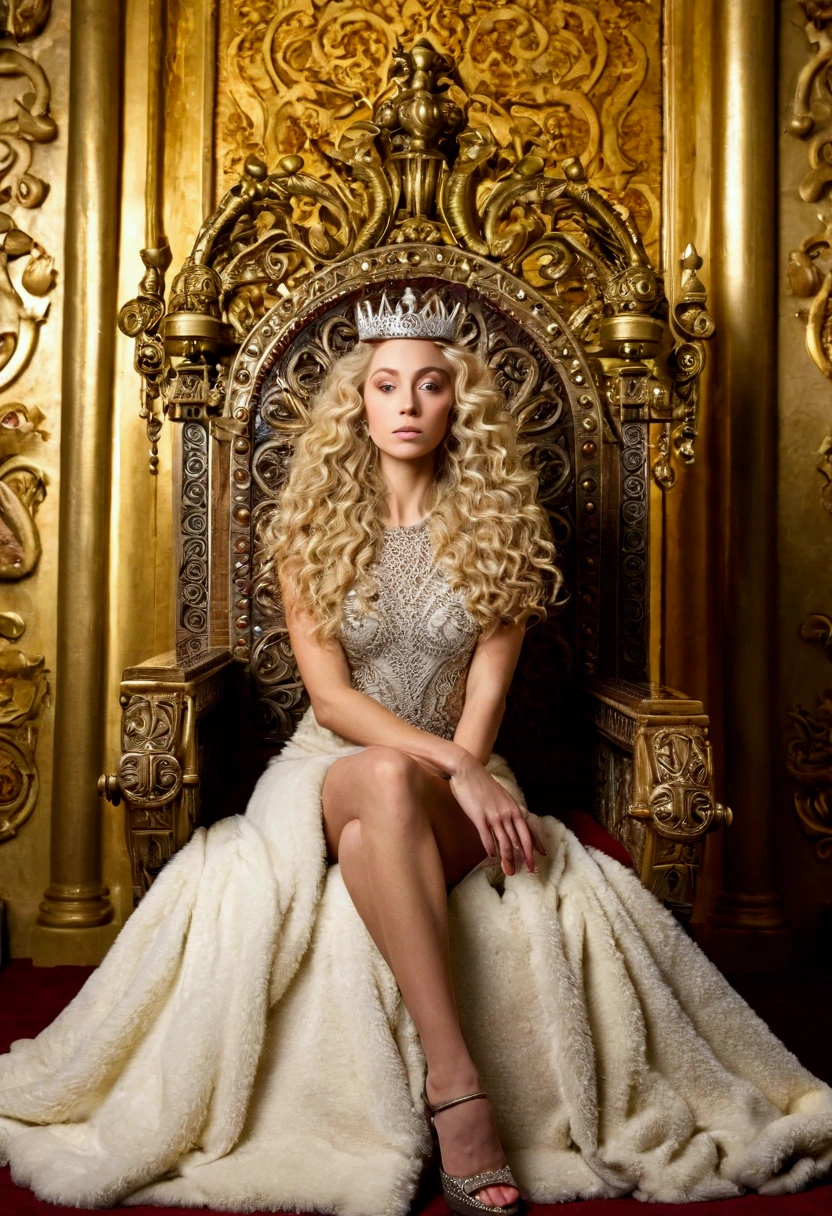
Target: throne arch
x=600 y=368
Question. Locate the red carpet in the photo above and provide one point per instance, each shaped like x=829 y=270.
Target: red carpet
x=30 y=997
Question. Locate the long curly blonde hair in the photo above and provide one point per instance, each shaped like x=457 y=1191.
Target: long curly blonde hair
x=487 y=530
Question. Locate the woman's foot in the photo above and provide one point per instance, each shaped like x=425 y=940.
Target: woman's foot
x=468 y=1137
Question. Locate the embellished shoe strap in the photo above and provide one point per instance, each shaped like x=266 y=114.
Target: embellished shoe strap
x=460 y=1192
x=434 y=1110
x=500 y=1177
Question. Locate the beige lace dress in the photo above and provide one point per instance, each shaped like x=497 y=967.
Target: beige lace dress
x=412 y=651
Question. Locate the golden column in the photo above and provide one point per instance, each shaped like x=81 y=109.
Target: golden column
x=76 y=899
x=746 y=929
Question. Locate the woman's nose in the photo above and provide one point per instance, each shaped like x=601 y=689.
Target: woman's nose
x=409 y=403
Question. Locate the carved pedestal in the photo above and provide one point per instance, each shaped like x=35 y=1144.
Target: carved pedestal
x=654 y=783
x=159 y=772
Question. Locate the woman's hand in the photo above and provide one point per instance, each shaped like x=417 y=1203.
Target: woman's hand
x=503 y=825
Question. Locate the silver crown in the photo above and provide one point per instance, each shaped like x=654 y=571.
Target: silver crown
x=432 y=321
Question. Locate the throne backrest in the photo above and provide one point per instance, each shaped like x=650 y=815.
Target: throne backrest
x=545 y=375
x=599 y=370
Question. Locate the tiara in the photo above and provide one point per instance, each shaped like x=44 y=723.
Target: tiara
x=405 y=321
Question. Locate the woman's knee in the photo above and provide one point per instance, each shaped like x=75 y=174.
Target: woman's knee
x=397 y=787
x=390 y=769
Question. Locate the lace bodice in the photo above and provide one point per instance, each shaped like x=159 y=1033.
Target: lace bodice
x=412 y=651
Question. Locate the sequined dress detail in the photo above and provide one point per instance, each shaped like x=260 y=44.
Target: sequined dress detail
x=412 y=651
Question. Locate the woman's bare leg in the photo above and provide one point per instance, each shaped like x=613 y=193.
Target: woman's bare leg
x=400 y=837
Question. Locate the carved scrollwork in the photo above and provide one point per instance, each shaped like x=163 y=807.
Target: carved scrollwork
x=674 y=783
x=691 y=325
x=25 y=19
x=151 y=723
x=192 y=628
x=150 y=831
x=809 y=754
x=559 y=80
x=613 y=795
x=149 y=772
x=810 y=265
x=155 y=776
x=809 y=272
x=140 y=319
x=22 y=489
x=426 y=162
x=23 y=689
x=149 y=778
x=27 y=273
x=654 y=783
x=27 y=276
x=633 y=553
x=681 y=804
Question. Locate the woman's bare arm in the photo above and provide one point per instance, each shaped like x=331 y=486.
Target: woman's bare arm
x=323 y=666
x=489 y=677
x=352 y=714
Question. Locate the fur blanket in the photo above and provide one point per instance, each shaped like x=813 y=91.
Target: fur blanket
x=244 y=1045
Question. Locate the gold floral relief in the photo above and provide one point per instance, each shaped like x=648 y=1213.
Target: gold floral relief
x=547 y=78
x=27 y=277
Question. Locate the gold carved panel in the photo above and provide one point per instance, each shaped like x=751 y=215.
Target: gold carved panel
x=548 y=79
x=27 y=278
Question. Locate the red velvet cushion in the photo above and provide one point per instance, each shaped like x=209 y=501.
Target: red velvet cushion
x=592 y=835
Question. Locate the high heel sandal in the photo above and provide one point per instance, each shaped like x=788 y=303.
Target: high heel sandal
x=459 y=1192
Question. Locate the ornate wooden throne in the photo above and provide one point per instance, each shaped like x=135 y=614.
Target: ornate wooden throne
x=601 y=373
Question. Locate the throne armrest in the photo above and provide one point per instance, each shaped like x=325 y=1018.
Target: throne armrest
x=653 y=782
x=164 y=702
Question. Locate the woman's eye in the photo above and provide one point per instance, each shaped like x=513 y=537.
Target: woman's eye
x=385 y=387
x=430 y=384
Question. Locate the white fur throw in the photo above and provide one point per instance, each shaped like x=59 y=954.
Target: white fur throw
x=244 y=1046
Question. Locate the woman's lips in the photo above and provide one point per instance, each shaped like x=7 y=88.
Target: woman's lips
x=407 y=432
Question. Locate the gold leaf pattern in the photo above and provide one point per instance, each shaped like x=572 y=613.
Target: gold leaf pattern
x=548 y=78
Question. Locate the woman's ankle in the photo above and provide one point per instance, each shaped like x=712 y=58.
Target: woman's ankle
x=451 y=1079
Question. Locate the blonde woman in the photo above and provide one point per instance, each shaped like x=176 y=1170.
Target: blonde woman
x=244 y=1046
x=412 y=553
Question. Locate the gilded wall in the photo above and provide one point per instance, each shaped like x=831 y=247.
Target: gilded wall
x=804 y=849
x=137 y=583
x=33 y=156
x=208 y=85
x=553 y=80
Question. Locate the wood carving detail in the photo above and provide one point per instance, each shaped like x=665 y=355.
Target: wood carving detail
x=27 y=276
x=809 y=271
x=548 y=79
x=23 y=690
x=809 y=753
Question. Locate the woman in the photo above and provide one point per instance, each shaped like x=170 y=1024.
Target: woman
x=411 y=447
x=245 y=1045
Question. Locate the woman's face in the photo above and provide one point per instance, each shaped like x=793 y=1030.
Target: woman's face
x=408 y=396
